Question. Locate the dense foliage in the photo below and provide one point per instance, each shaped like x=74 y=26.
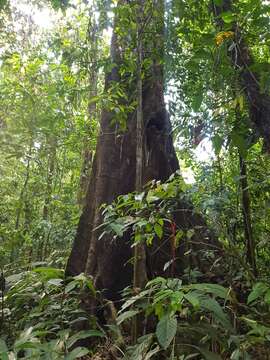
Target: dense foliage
x=51 y=97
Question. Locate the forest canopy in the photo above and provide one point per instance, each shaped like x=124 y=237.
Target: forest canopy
x=134 y=179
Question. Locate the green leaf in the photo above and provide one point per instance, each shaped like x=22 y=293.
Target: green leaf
x=267 y=297
x=26 y=344
x=197 y=101
x=214 y=289
x=209 y=355
x=3 y=346
x=71 y=286
x=236 y=355
x=93 y=99
x=56 y=282
x=239 y=140
x=140 y=350
x=151 y=353
x=213 y=306
x=166 y=330
x=13 y=279
x=218 y=2
x=227 y=17
x=3 y=3
x=151 y=197
x=83 y=335
x=6 y=356
x=193 y=299
x=87 y=281
x=117 y=228
x=76 y=353
x=258 y=290
x=126 y=315
x=50 y=273
x=158 y=230
x=217 y=143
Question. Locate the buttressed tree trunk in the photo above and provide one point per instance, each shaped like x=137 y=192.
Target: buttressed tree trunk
x=114 y=173
x=114 y=165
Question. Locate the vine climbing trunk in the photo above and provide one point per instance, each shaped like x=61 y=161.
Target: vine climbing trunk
x=126 y=160
x=242 y=60
x=139 y=270
x=119 y=155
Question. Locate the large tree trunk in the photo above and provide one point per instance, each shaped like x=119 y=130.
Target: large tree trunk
x=114 y=173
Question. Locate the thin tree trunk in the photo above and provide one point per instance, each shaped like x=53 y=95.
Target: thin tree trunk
x=242 y=61
x=139 y=270
x=246 y=211
x=46 y=216
x=24 y=187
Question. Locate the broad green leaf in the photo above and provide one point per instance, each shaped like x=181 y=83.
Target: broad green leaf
x=140 y=350
x=83 y=335
x=50 y=273
x=126 y=315
x=163 y=294
x=193 y=299
x=3 y=346
x=258 y=290
x=13 y=279
x=117 y=228
x=158 y=230
x=156 y=281
x=215 y=289
x=56 y=282
x=133 y=299
x=26 y=344
x=213 y=306
x=166 y=330
x=71 y=286
x=6 y=356
x=227 y=17
x=236 y=355
x=77 y=353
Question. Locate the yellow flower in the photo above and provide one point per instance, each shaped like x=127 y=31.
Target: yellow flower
x=223 y=35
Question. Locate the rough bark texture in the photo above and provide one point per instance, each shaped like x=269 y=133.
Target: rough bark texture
x=241 y=57
x=114 y=173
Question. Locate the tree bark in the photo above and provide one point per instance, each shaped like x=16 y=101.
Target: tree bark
x=114 y=172
x=242 y=61
x=87 y=152
x=246 y=211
